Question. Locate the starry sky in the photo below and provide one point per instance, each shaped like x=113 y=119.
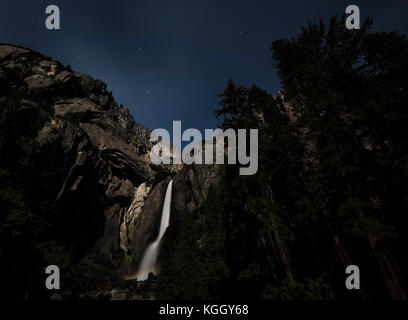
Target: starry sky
x=169 y=59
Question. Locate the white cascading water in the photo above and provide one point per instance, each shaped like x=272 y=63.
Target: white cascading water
x=148 y=263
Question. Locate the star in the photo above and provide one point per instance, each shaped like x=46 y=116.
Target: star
x=148 y=91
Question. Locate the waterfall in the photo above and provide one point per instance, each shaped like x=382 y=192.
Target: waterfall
x=148 y=263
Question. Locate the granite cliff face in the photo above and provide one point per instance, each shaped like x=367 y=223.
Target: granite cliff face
x=107 y=148
x=110 y=197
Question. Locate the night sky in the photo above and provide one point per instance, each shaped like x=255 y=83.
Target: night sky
x=168 y=60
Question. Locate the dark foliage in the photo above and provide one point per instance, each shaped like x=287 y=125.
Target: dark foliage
x=331 y=188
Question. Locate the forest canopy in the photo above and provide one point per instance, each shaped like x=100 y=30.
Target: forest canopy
x=332 y=186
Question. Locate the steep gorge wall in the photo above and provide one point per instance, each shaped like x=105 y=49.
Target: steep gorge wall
x=110 y=196
x=109 y=174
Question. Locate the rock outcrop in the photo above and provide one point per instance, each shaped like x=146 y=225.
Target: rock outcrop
x=110 y=174
x=111 y=196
